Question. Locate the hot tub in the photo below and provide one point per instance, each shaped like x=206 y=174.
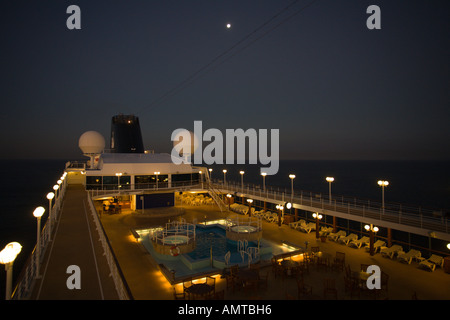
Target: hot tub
x=175 y=240
x=243 y=229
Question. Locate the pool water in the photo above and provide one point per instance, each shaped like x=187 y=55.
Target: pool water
x=208 y=238
x=214 y=238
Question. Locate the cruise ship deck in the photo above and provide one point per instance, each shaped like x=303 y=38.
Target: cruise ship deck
x=76 y=242
x=406 y=281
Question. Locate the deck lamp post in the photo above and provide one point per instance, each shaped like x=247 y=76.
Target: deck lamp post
x=157 y=174
x=292 y=177
x=250 y=201
x=280 y=213
x=329 y=180
x=63 y=183
x=210 y=174
x=372 y=230
x=50 y=197
x=382 y=184
x=229 y=200
x=318 y=217
x=37 y=213
x=201 y=177
x=224 y=176
x=118 y=175
x=242 y=180
x=55 y=188
x=7 y=257
x=59 y=182
x=264 y=174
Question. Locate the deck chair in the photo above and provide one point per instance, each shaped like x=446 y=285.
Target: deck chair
x=390 y=252
x=329 y=287
x=376 y=246
x=296 y=224
x=408 y=257
x=347 y=239
x=303 y=289
x=335 y=235
x=309 y=227
x=358 y=243
x=432 y=262
x=324 y=231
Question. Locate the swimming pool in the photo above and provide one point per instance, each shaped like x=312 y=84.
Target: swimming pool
x=210 y=251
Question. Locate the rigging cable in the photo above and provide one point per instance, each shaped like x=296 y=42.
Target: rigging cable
x=193 y=77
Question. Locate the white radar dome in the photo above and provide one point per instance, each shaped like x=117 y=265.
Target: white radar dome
x=91 y=142
x=184 y=141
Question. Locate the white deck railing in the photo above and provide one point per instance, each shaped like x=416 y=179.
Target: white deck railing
x=396 y=213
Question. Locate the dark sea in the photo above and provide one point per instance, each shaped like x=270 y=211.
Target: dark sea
x=421 y=183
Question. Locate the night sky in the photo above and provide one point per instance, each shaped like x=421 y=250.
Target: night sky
x=334 y=88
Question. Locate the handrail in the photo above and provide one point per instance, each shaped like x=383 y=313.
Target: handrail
x=120 y=283
x=422 y=218
x=175 y=228
x=214 y=194
x=25 y=282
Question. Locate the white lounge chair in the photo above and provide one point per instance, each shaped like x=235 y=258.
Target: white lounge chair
x=258 y=213
x=390 y=252
x=271 y=217
x=432 y=262
x=376 y=246
x=358 y=243
x=347 y=239
x=408 y=257
x=297 y=224
x=334 y=236
x=324 y=231
x=308 y=227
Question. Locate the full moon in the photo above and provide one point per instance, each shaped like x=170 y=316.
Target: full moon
x=228 y=25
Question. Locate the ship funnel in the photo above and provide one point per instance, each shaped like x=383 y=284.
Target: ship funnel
x=126 y=134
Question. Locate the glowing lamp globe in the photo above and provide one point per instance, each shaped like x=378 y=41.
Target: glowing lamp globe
x=15 y=247
x=10 y=252
x=7 y=256
x=91 y=142
x=38 y=212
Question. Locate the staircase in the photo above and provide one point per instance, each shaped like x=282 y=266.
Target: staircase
x=214 y=194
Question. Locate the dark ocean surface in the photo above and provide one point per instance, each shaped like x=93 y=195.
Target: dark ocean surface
x=25 y=184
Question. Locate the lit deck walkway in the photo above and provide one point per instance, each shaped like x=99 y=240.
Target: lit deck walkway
x=75 y=242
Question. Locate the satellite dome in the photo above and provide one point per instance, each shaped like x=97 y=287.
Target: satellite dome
x=91 y=142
